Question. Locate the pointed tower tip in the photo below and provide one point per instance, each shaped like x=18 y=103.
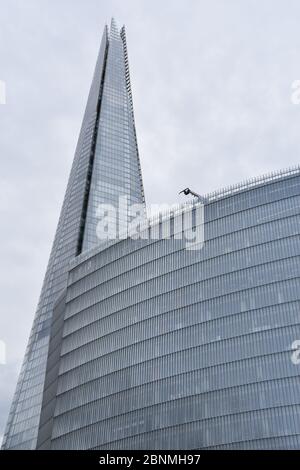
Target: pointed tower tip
x=113 y=24
x=114 y=31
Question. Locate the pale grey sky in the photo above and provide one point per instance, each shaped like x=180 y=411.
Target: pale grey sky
x=211 y=84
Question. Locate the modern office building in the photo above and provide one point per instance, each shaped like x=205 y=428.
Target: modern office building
x=154 y=341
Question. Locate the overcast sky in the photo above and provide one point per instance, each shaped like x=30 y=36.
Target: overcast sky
x=211 y=82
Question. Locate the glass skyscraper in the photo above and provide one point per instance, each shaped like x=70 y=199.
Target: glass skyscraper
x=106 y=165
x=145 y=343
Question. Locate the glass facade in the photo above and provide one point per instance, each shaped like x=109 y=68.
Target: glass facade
x=116 y=171
x=109 y=108
x=150 y=343
x=164 y=347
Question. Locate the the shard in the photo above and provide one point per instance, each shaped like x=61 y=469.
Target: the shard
x=106 y=167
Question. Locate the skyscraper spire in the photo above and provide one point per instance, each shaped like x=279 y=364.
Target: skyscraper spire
x=116 y=169
x=105 y=167
x=114 y=32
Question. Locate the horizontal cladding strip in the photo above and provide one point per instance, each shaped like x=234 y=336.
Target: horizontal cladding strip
x=200 y=262
x=203 y=421
x=63 y=423
x=182 y=332
x=111 y=375
x=203 y=302
x=64 y=366
x=94 y=308
x=170 y=253
x=261 y=443
x=159 y=318
x=212 y=393
x=148 y=366
x=131 y=441
x=203 y=379
x=70 y=306
x=178 y=253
